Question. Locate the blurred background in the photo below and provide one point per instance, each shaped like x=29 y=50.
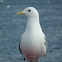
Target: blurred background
x=12 y=27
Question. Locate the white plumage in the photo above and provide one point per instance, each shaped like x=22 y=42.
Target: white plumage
x=33 y=42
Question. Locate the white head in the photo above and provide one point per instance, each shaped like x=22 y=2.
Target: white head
x=30 y=12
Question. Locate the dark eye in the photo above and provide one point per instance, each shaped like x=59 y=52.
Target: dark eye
x=29 y=10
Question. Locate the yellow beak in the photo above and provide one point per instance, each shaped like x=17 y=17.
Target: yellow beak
x=19 y=13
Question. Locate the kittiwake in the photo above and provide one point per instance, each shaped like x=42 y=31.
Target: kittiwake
x=33 y=43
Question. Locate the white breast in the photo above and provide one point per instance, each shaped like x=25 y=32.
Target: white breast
x=32 y=45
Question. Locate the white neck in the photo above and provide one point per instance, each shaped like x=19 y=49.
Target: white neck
x=32 y=24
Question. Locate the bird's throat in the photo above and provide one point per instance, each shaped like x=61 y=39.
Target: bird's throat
x=32 y=24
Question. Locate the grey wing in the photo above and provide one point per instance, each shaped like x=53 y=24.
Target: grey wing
x=20 y=48
x=46 y=44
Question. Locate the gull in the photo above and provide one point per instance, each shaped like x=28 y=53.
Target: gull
x=33 y=43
